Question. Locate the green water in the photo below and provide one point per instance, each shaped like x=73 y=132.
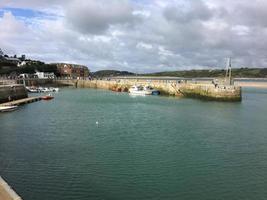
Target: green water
x=142 y=148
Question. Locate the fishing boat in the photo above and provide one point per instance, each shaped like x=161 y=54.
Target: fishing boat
x=8 y=108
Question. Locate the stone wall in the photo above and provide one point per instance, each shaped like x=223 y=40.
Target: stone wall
x=12 y=92
x=201 y=90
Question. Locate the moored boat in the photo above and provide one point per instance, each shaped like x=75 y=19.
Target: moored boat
x=140 y=90
x=41 y=89
x=32 y=89
x=8 y=108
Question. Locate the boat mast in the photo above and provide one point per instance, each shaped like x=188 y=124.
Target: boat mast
x=228 y=73
x=230 y=70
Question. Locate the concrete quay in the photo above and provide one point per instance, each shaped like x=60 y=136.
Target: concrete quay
x=6 y=192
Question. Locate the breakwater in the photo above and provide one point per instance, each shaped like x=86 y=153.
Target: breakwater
x=203 y=90
x=12 y=92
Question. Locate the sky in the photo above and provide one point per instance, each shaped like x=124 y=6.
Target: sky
x=137 y=35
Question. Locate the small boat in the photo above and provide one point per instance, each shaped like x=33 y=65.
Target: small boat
x=47 y=97
x=41 y=89
x=8 y=108
x=140 y=90
x=32 y=89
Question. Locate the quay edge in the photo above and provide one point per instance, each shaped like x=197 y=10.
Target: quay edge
x=6 y=192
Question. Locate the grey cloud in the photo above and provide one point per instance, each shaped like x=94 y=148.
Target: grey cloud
x=253 y=14
x=196 y=10
x=95 y=17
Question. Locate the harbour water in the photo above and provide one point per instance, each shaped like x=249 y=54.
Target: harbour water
x=141 y=147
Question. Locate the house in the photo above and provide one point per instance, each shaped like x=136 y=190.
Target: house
x=45 y=75
x=23 y=63
x=12 y=60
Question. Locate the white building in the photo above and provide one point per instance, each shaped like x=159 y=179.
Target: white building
x=45 y=75
x=23 y=63
x=23 y=76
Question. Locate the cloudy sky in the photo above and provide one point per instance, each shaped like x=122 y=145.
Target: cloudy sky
x=137 y=35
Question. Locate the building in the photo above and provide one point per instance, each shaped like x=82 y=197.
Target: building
x=12 y=60
x=45 y=75
x=72 y=71
x=21 y=64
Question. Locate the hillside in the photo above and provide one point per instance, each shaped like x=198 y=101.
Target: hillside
x=110 y=73
x=237 y=73
x=7 y=68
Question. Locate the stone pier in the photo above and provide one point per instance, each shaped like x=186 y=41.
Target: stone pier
x=201 y=90
x=12 y=92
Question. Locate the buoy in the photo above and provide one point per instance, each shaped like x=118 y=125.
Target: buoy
x=96 y=123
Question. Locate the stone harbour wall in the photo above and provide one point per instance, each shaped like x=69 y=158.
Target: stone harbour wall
x=12 y=92
x=200 y=90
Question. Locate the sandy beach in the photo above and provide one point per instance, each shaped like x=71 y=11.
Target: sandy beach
x=251 y=84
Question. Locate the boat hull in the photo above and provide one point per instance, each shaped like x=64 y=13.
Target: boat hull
x=140 y=92
x=8 y=108
x=47 y=98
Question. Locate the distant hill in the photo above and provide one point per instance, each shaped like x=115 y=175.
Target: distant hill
x=110 y=73
x=237 y=73
x=30 y=67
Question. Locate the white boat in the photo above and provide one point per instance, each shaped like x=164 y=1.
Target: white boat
x=46 y=90
x=7 y=108
x=139 y=90
x=32 y=89
x=41 y=89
